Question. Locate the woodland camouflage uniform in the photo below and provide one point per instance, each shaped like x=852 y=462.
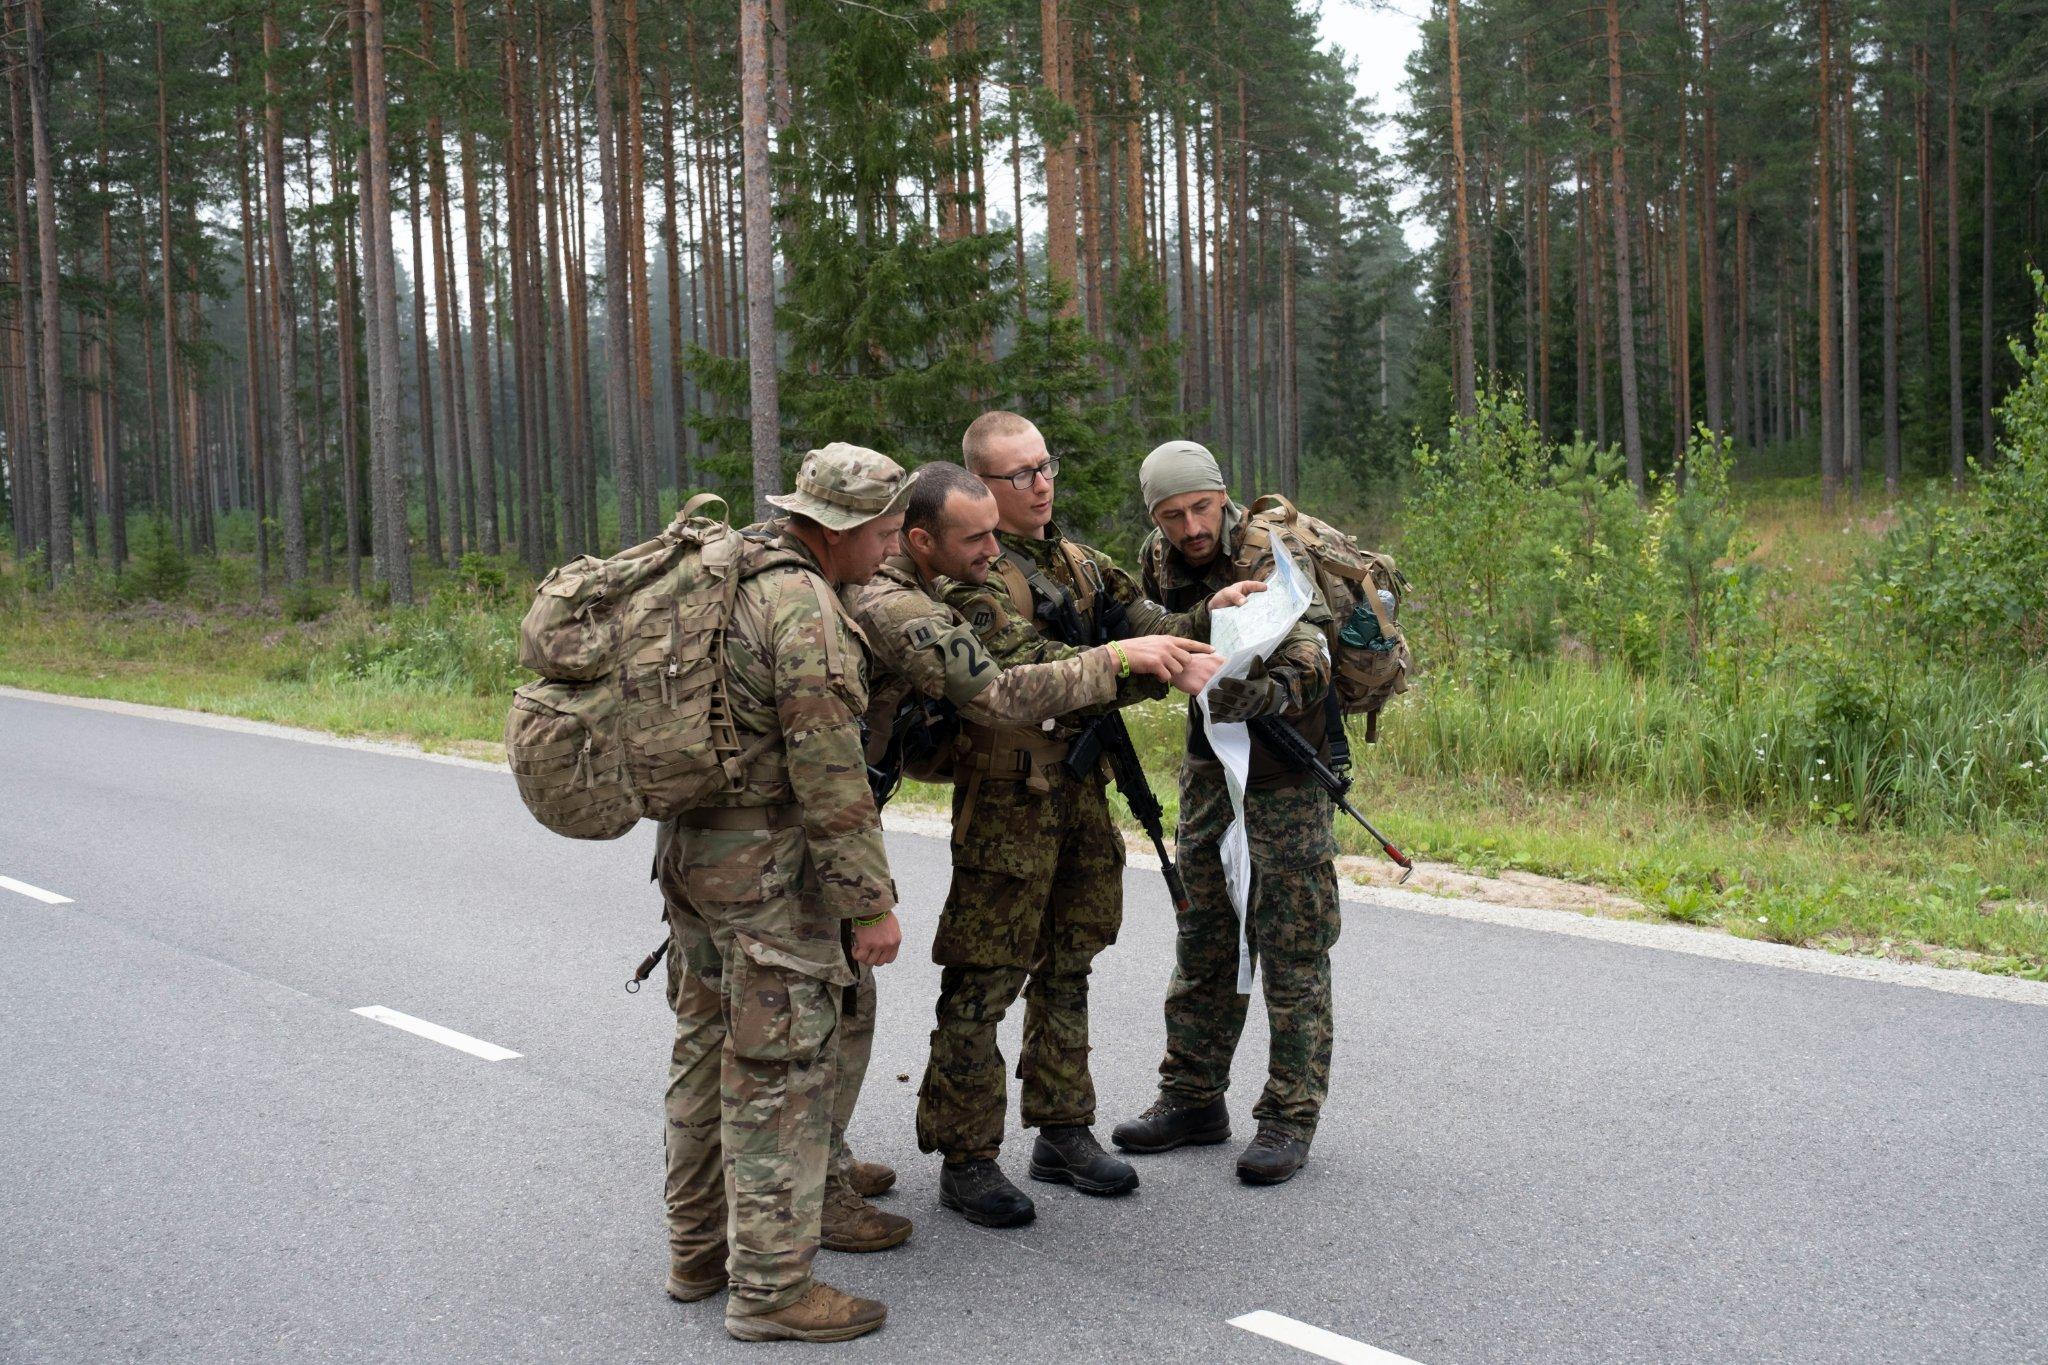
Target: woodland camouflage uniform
x=759 y=890
x=917 y=644
x=1293 y=920
x=1037 y=888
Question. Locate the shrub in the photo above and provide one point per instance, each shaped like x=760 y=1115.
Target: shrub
x=160 y=570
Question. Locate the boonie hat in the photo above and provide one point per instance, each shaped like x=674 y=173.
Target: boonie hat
x=843 y=486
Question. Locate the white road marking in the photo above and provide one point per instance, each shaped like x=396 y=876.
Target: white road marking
x=1315 y=1340
x=461 y=1042
x=34 y=893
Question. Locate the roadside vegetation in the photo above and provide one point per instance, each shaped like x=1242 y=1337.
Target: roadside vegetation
x=1745 y=711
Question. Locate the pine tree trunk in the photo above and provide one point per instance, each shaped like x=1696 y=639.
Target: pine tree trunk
x=482 y=455
x=1891 y=305
x=430 y=483
x=345 y=366
x=1082 y=85
x=1824 y=237
x=1189 y=339
x=1462 y=360
x=759 y=192
x=1631 y=415
x=679 y=412
x=635 y=169
x=57 y=482
x=1986 y=447
x=1712 y=347
x=387 y=461
x=618 y=400
x=1852 y=287
x=252 y=349
x=114 y=488
x=1953 y=158
x=1059 y=164
x=283 y=318
x=27 y=447
x=178 y=457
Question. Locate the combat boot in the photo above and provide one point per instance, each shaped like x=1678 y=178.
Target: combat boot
x=978 y=1191
x=1070 y=1155
x=870 y=1178
x=1170 y=1123
x=1273 y=1156
x=689 y=1281
x=851 y=1223
x=822 y=1314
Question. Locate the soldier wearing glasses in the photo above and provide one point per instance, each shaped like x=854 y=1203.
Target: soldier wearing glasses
x=1037 y=888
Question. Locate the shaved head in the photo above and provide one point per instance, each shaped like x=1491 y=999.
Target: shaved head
x=987 y=431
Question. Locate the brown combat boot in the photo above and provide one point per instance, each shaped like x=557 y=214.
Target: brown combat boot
x=822 y=1314
x=870 y=1178
x=851 y=1223
x=689 y=1281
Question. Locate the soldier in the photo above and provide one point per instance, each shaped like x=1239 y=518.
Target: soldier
x=1200 y=544
x=774 y=894
x=1037 y=885
x=922 y=648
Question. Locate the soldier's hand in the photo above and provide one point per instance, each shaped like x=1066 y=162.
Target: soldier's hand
x=1196 y=675
x=1162 y=656
x=1234 y=595
x=1237 y=699
x=876 y=944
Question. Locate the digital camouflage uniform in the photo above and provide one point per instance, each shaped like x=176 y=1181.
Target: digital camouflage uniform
x=759 y=889
x=1293 y=918
x=1037 y=888
x=917 y=644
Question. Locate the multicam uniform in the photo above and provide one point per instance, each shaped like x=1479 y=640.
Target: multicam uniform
x=759 y=887
x=1037 y=885
x=919 y=645
x=1293 y=918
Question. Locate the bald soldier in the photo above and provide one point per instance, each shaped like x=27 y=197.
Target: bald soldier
x=921 y=649
x=776 y=892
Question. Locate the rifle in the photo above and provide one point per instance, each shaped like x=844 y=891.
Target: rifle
x=1283 y=740
x=1107 y=735
x=916 y=734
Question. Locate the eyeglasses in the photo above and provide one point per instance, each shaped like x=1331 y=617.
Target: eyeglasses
x=1022 y=479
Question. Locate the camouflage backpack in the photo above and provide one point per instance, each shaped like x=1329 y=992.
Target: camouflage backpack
x=629 y=716
x=1368 y=654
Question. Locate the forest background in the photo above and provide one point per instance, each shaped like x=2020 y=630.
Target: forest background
x=1698 y=384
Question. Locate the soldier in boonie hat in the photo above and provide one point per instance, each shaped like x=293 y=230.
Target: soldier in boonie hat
x=842 y=486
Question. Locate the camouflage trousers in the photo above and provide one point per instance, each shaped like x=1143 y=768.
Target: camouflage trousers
x=1037 y=893
x=1292 y=925
x=750 y=1104
x=856 y=1042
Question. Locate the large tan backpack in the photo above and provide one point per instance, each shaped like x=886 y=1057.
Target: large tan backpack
x=629 y=717
x=1368 y=654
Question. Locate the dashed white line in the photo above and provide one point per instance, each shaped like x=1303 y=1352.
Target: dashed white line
x=447 y=1037
x=34 y=893
x=1315 y=1340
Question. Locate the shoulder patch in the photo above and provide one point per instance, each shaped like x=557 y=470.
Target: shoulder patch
x=981 y=614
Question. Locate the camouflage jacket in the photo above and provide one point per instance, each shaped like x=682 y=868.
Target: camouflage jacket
x=1013 y=635
x=920 y=644
x=1301 y=664
x=795 y=676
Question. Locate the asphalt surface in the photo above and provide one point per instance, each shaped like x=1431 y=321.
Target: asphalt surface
x=1538 y=1147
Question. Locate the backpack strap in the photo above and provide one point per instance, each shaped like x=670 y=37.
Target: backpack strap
x=1085 y=578
x=1015 y=571
x=703 y=500
x=1274 y=503
x=828 y=607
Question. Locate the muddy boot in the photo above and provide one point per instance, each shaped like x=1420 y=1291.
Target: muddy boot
x=1070 y=1155
x=822 y=1314
x=1171 y=1123
x=689 y=1281
x=1273 y=1156
x=978 y=1191
x=851 y=1223
x=870 y=1178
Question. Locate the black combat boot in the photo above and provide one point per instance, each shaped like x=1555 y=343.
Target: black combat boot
x=978 y=1191
x=1273 y=1156
x=1170 y=1123
x=1071 y=1156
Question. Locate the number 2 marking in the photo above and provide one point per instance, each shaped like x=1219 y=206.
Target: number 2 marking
x=977 y=663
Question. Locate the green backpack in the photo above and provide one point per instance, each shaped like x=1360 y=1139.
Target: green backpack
x=629 y=717
x=1368 y=653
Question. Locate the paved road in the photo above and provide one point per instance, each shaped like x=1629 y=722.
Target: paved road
x=1539 y=1148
